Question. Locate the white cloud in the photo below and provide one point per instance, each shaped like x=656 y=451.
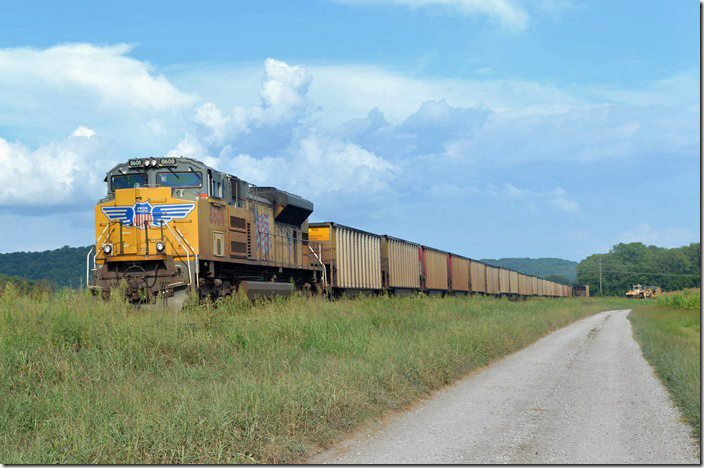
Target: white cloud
x=283 y=91
x=660 y=236
x=59 y=173
x=273 y=143
x=83 y=132
x=106 y=72
x=49 y=92
x=508 y=13
x=484 y=71
x=557 y=197
x=561 y=199
x=318 y=165
x=283 y=106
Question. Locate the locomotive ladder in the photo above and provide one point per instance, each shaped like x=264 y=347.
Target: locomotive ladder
x=320 y=260
x=180 y=238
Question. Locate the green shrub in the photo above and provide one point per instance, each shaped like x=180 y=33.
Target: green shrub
x=686 y=299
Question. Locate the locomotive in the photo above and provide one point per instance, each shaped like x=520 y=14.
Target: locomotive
x=168 y=226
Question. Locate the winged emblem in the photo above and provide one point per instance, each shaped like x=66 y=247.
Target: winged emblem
x=144 y=215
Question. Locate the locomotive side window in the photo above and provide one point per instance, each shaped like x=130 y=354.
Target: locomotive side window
x=129 y=181
x=178 y=179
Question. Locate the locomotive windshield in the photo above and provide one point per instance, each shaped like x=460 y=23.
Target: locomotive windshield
x=178 y=179
x=129 y=181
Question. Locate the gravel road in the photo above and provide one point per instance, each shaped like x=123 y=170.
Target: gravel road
x=583 y=394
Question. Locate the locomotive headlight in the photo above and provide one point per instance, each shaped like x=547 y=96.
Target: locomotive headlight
x=160 y=246
x=107 y=249
x=153 y=162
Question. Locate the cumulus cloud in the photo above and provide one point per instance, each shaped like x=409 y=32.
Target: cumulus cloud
x=318 y=165
x=105 y=72
x=60 y=173
x=274 y=142
x=258 y=129
x=49 y=92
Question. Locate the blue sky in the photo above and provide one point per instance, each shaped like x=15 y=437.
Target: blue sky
x=490 y=128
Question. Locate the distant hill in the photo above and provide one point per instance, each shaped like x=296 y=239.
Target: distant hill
x=63 y=267
x=554 y=269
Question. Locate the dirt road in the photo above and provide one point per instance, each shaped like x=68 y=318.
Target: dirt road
x=583 y=394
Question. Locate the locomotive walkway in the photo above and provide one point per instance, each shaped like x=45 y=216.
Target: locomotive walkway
x=583 y=394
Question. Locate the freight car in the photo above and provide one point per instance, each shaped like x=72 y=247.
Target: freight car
x=171 y=225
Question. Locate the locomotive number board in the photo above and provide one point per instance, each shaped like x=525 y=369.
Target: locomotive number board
x=146 y=162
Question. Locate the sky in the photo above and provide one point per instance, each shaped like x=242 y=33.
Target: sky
x=506 y=128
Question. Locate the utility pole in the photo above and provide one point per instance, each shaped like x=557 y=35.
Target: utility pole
x=600 y=292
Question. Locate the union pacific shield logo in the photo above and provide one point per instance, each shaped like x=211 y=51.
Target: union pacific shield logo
x=143 y=215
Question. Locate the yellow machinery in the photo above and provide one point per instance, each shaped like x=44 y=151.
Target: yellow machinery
x=644 y=292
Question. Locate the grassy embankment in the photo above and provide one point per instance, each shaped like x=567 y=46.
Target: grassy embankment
x=669 y=335
x=84 y=381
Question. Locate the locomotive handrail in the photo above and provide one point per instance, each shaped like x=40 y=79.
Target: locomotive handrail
x=325 y=274
x=101 y=235
x=94 y=257
x=188 y=256
x=88 y=285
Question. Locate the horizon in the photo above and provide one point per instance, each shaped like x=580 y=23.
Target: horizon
x=506 y=129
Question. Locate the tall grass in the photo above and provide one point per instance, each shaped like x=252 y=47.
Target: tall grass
x=671 y=341
x=86 y=381
x=686 y=299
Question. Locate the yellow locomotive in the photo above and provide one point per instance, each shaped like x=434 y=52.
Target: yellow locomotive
x=169 y=225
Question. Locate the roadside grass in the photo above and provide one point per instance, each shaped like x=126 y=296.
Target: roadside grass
x=85 y=381
x=671 y=341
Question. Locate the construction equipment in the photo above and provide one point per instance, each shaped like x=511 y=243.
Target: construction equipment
x=644 y=292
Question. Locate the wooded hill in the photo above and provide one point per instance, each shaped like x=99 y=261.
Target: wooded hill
x=553 y=269
x=636 y=263
x=63 y=267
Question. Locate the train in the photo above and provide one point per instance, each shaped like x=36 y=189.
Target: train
x=168 y=227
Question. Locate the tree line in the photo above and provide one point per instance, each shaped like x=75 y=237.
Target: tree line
x=635 y=263
x=551 y=269
x=61 y=267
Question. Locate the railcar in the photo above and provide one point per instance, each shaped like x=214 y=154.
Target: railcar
x=434 y=271
x=169 y=225
x=400 y=265
x=458 y=268
x=352 y=258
